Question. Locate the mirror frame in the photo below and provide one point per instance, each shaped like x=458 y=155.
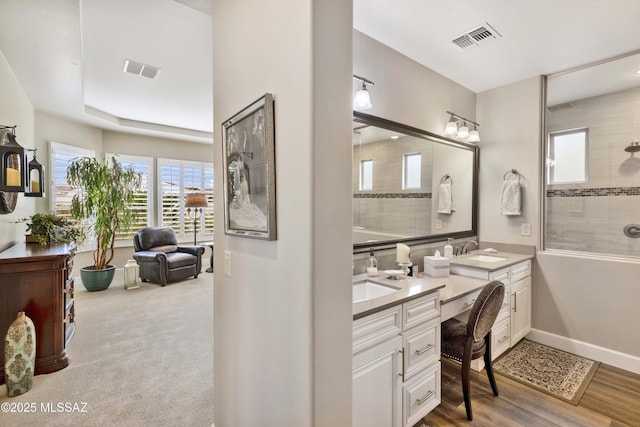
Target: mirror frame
x=429 y=136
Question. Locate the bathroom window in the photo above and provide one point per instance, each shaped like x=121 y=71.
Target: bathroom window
x=366 y=175
x=567 y=157
x=412 y=173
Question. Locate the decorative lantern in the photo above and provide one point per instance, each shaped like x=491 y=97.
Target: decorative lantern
x=35 y=174
x=13 y=162
x=131 y=276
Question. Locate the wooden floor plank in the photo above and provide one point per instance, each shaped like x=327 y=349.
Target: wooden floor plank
x=611 y=399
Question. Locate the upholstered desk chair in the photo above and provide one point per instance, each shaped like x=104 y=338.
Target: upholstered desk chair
x=466 y=342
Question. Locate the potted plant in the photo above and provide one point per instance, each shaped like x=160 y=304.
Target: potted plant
x=106 y=191
x=51 y=228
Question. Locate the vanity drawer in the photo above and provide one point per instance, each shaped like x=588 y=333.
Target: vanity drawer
x=460 y=305
x=501 y=276
x=500 y=334
x=504 y=312
x=421 y=347
x=520 y=271
x=421 y=395
x=420 y=310
x=376 y=328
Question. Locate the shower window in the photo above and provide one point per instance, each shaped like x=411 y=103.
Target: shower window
x=412 y=173
x=567 y=157
x=366 y=175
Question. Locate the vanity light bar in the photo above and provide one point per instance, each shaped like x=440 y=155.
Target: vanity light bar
x=462 y=119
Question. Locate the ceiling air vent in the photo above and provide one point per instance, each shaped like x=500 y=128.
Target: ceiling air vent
x=144 y=70
x=478 y=35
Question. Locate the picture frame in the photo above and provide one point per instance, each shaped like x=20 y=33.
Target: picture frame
x=248 y=153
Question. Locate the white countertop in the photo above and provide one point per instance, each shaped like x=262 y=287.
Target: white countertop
x=452 y=287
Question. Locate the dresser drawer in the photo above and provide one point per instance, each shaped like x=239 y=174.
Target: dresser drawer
x=500 y=338
x=420 y=310
x=376 y=328
x=421 y=347
x=460 y=305
x=520 y=271
x=421 y=394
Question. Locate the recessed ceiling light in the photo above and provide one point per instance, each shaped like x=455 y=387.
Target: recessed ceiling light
x=637 y=71
x=394 y=137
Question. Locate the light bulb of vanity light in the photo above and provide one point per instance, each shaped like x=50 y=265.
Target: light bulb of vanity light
x=362 y=100
x=463 y=131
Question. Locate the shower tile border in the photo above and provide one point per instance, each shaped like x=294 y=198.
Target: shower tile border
x=595 y=192
x=392 y=195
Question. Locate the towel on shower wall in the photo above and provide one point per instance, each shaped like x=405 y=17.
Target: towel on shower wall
x=510 y=200
x=446 y=204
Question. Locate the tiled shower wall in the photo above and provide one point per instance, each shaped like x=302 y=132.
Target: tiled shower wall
x=388 y=208
x=590 y=217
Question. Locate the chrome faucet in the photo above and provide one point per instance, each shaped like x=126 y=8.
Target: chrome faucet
x=465 y=248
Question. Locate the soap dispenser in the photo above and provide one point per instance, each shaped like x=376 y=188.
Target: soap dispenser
x=448 y=249
x=372 y=266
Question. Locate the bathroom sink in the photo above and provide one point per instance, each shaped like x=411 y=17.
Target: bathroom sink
x=484 y=258
x=366 y=290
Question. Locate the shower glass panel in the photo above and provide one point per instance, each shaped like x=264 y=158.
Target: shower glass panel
x=595 y=210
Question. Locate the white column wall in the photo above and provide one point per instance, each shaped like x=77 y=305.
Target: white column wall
x=282 y=321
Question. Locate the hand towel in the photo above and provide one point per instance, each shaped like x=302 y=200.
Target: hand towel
x=446 y=204
x=510 y=200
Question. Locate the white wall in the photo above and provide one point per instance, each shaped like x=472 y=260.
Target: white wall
x=15 y=109
x=282 y=321
x=510 y=130
x=580 y=304
x=405 y=91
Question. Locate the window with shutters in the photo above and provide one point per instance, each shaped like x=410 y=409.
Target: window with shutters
x=60 y=191
x=176 y=179
x=143 y=197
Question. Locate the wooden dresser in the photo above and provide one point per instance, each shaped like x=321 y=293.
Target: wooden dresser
x=39 y=281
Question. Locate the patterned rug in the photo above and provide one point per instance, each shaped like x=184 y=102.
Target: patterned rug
x=552 y=371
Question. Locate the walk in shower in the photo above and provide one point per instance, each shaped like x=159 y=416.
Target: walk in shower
x=592 y=159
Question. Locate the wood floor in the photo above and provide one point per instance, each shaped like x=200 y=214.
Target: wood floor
x=611 y=399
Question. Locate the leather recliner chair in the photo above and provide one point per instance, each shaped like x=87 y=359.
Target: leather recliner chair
x=160 y=258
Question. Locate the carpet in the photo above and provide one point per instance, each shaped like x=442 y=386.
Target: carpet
x=552 y=371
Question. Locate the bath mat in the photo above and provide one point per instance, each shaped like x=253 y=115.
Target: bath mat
x=552 y=371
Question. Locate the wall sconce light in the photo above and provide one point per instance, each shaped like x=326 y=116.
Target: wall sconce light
x=197 y=201
x=13 y=162
x=458 y=126
x=35 y=181
x=362 y=100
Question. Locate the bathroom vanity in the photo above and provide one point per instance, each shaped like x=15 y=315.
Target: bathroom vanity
x=396 y=332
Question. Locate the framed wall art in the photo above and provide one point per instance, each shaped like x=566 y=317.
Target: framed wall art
x=248 y=153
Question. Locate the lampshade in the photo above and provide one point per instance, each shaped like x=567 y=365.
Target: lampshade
x=463 y=131
x=474 y=135
x=452 y=127
x=196 y=200
x=362 y=100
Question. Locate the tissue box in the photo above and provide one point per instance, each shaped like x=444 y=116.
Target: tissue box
x=436 y=266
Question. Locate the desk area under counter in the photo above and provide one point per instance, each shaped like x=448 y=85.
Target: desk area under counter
x=397 y=335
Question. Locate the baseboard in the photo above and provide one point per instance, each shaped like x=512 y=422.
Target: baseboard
x=610 y=357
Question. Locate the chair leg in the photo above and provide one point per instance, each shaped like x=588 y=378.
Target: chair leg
x=487 y=364
x=466 y=372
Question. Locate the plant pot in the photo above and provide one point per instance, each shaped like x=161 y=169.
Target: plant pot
x=97 y=280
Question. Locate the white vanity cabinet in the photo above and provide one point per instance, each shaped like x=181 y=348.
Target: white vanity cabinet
x=396 y=364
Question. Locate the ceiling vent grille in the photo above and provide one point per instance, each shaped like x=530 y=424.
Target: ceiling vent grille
x=140 y=69
x=476 y=36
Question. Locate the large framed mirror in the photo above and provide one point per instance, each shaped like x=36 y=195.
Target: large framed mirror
x=410 y=185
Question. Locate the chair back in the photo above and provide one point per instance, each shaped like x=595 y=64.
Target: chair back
x=485 y=310
x=155 y=238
